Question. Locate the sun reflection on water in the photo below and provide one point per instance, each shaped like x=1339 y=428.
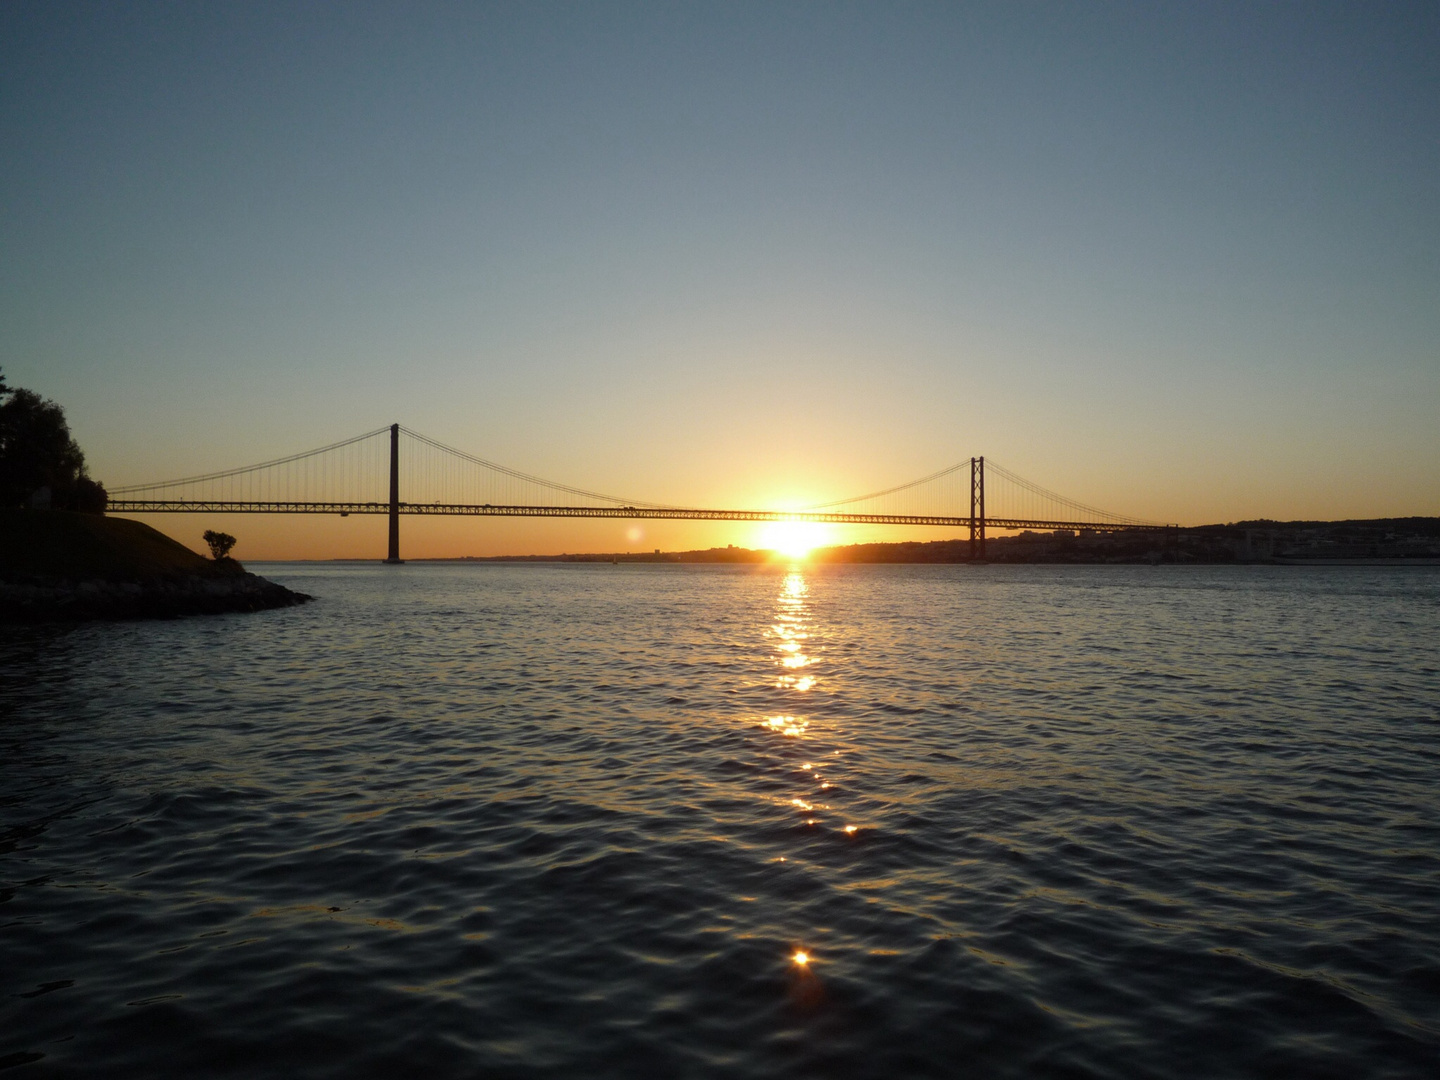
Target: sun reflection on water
x=791 y=635
x=791 y=726
x=789 y=631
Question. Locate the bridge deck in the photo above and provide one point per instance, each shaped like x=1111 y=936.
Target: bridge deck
x=195 y=506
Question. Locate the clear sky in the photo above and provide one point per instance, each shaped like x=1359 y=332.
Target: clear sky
x=1181 y=261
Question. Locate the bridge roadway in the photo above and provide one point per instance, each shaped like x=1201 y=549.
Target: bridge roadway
x=200 y=506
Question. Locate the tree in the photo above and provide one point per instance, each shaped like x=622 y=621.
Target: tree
x=37 y=452
x=220 y=543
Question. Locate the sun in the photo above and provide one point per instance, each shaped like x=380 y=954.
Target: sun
x=795 y=539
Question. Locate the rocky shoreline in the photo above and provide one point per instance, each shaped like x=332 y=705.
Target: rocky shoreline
x=40 y=599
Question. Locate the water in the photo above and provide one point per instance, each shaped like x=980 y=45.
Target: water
x=577 y=820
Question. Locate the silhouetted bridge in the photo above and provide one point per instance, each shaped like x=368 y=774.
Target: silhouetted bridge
x=328 y=479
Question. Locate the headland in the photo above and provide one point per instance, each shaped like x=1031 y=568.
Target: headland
x=62 y=566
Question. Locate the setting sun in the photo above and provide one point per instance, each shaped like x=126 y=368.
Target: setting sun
x=794 y=538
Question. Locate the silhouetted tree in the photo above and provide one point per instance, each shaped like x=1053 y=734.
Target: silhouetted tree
x=220 y=543
x=37 y=452
x=90 y=496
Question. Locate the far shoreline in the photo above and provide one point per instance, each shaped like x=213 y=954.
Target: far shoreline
x=1412 y=541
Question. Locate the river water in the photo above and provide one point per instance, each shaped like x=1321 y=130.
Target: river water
x=578 y=820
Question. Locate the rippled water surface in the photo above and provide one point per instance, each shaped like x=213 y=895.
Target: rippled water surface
x=578 y=820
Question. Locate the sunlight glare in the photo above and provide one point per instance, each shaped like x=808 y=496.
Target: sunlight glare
x=790 y=726
x=794 y=539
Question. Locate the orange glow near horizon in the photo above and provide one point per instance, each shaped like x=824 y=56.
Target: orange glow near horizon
x=328 y=536
x=795 y=539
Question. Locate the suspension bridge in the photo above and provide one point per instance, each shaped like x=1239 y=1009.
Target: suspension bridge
x=350 y=477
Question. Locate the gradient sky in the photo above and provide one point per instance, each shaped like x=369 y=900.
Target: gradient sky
x=1181 y=261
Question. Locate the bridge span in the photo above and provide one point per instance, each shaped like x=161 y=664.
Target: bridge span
x=341 y=465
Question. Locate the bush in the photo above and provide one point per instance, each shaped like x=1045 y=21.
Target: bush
x=90 y=496
x=220 y=544
x=37 y=452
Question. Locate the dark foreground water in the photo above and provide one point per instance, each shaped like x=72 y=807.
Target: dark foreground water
x=578 y=820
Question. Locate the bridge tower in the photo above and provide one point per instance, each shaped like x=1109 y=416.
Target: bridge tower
x=977 y=500
x=394 y=556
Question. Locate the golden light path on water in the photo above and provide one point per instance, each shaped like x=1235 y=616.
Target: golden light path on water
x=789 y=632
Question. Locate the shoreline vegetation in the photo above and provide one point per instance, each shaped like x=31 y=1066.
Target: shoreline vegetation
x=62 y=560
x=62 y=566
x=1411 y=541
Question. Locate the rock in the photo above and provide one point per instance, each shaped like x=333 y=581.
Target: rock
x=67 y=601
x=57 y=565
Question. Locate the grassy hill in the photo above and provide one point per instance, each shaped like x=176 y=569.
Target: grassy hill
x=60 y=544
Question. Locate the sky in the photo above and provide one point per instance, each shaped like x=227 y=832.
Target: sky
x=1179 y=261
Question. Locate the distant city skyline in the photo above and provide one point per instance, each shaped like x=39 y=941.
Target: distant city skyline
x=1179 y=262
